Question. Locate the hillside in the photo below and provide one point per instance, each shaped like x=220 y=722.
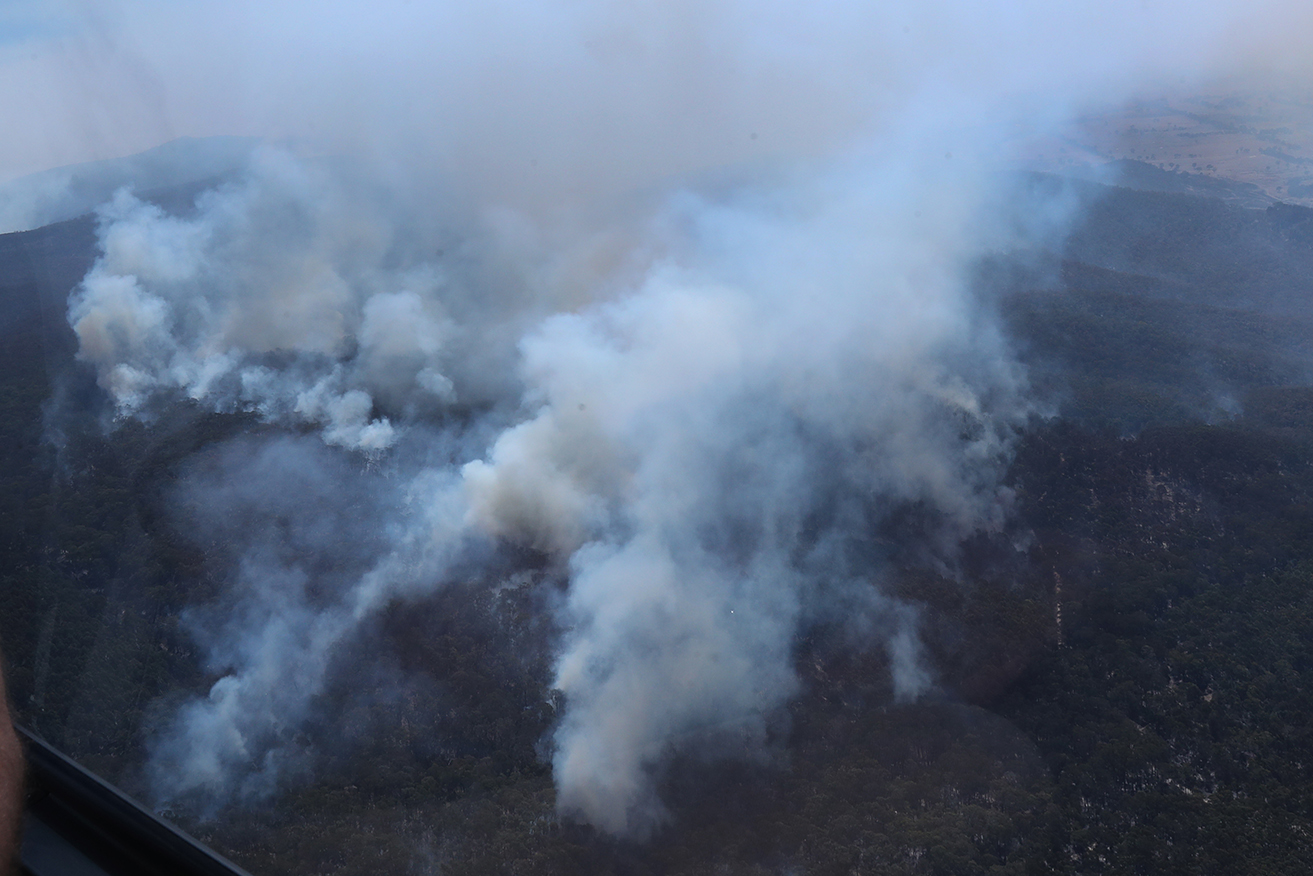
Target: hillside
x=1122 y=672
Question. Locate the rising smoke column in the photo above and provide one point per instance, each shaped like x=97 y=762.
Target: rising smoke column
x=690 y=280
x=713 y=448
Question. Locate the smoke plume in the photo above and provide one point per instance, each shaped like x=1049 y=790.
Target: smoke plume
x=704 y=448
x=671 y=295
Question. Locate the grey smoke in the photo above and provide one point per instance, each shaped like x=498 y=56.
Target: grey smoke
x=691 y=432
x=300 y=523
x=700 y=448
x=689 y=279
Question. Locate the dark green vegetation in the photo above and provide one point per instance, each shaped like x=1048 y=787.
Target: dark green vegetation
x=1124 y=674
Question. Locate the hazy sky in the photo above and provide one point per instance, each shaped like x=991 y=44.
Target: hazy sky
x=515 y=92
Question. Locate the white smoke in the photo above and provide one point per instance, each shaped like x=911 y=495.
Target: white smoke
x=275 y=264
x=677 y=291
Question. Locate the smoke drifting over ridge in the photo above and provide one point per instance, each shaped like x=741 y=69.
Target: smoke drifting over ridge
x=673 y=296
x=705 y=449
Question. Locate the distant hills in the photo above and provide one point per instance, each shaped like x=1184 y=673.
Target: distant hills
x=66 y=192
x=1140 y=175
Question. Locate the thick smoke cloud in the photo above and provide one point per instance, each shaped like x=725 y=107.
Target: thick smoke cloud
x=275 y=265
x=695 y=434
x=704 y=449
x=672 y=294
